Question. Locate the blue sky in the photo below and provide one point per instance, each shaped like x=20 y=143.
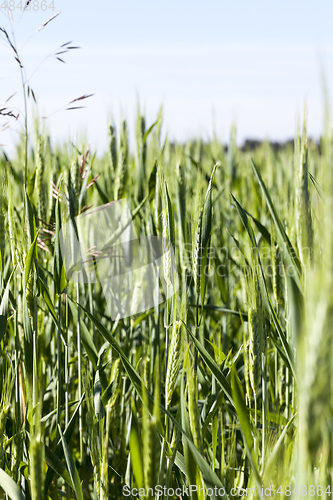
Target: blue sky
x=250 y=62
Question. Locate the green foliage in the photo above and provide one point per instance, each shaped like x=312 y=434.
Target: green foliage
x=234 y=362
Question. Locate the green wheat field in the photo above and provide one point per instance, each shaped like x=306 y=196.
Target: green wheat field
x=222 y=391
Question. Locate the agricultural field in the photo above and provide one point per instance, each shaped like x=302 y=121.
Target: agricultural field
x=226 y=385
x=213 y=380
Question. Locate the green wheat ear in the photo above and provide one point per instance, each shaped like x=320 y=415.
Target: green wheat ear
x=122 y=167
x=303 y=209
x=40 y=184
x=197 y=254
x=173 y=362
x=255 y=334
x=113 y=151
